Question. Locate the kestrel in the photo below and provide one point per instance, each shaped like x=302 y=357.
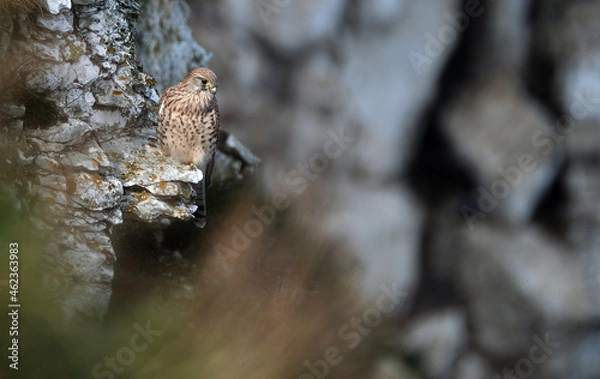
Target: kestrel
x=188 y=127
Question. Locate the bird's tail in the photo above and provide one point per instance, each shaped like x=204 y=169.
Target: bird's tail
x=200 y=214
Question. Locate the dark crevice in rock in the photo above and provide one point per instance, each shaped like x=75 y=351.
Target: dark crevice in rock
x=551 y=210
x=541 y=71
x=435 y=172
x=41 y=113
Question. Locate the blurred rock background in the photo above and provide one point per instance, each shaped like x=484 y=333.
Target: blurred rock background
x=426 y=205
x=468 y=173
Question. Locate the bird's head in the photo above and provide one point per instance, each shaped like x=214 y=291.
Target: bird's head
x=203 y=80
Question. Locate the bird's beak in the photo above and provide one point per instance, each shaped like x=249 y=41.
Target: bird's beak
x=212 y=88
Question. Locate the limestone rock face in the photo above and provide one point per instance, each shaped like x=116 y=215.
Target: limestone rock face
x=85 y=133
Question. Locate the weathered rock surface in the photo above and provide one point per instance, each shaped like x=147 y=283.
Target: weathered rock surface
x=438 y=338
x=87 y=136
x=389 y=256
x=504 y=139
x=159 y=41
x=504 y=275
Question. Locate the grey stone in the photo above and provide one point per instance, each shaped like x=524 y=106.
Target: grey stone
x=390 y=368
x=57 y=6
x=317 y=84
x=582 y=138
x=389 y=255
x=89 y=98
x=105 y=119
x=437 y=337
x=310 y=138
x=472 y=366
x=57 y=182
x=110 y=92
x=40 y=50
x=86 y=2
x=57 y=22
x=50 y=196
x=387 y=106
x=583 y=219
x=502 y=136
x=378 y=13
x=73 y=101
x=12 y=110
x=92 y=267
x=168 y=189
x=583 y=186
x=584 y=361
x=580 y=88
x=318 y=87
x=91 y=221
x=47 y=163
x=86 y=202
x=149 y=208
x=95 y=192
x=160 y=39
x=141 y=164
x=64 y=132
x=86 y=71
x=45 y=147
x=574 y=37
x=504 y=42
x=288 y=26
x=96 y=47
x=230 y=168
x=97 y=22
x=24 y=158
x=538 y=280
x=78 y=159
x=572 y=43
x=51 y=77
x=233 y=146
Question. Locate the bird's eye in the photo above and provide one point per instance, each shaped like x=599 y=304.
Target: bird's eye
x=204 y=81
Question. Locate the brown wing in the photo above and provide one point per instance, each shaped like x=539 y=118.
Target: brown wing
x=162 y=117
x=215 y=124
x=215 y=116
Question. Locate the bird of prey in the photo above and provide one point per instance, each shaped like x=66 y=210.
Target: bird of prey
x=188 y=127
